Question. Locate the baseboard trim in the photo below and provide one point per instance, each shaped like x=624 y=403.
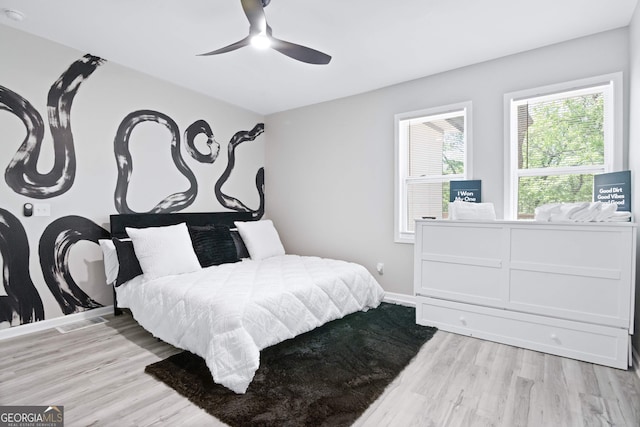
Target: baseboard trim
x=401 y=299
x=42 y=325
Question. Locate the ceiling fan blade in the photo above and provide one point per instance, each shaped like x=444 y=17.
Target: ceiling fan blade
x=237 y=45
x=300 y=53
x=255 y=14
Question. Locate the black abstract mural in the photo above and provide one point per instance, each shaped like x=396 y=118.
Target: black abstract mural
x=22 y=174
x=55 y=244
x=22 y=300
x=231 y=202
x=197 y=128
x=173 y=202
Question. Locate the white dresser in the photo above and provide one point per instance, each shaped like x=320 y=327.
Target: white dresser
x=565 y=289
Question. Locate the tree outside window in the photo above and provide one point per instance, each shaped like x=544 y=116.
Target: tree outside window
x=559 y=140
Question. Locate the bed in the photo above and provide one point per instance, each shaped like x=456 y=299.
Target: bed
x=227 y=312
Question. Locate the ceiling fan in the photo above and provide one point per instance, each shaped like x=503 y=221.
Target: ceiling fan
x=260 y=36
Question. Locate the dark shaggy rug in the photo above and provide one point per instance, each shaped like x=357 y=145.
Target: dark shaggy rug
x=326 y=377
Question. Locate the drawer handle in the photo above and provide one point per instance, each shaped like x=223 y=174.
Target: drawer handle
x=463 y=320
x=554 y=337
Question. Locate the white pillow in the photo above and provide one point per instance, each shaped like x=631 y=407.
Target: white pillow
x=260 y=238
x=164 y=251
x=472 y=211
x=110 y=257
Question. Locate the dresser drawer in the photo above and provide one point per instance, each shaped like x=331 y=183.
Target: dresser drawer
x=461 y=282
x=461 y=241
x=599 y=300
x=592 y=343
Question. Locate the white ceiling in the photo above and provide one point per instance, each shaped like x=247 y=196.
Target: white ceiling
x=374 y=43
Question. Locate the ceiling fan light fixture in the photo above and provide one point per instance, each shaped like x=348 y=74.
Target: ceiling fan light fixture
x=260 y=36
x=261 y=41
x=14 y=15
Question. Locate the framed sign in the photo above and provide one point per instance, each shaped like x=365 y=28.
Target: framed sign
x=465 y=191
x=614 y=187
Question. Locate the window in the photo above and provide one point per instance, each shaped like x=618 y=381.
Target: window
x=432 y=148
x=558 y=138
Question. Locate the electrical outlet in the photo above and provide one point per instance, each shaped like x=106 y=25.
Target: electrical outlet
x=41 y=209
x=380 y=268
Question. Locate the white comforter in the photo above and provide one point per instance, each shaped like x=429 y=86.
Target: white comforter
x=228 y=313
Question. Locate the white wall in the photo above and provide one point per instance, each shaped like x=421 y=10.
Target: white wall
x=330 y=166
x=634 y=144
x=29 y=66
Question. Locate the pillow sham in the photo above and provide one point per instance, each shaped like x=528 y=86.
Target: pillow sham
x=241 y=249
x=128 y=265
x=261 y=238
x=110 y=258
x=213 y=244
x=164 y=251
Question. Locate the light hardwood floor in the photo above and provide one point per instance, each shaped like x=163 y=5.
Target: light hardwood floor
x=97 y=374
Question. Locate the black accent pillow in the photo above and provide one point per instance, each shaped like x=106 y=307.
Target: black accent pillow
x=129 y=266
x=241 y=249
x=213 y=244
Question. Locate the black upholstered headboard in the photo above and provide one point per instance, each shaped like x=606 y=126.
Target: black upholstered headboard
x=119 y=222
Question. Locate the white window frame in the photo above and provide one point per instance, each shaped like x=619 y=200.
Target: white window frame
x=401 y=234
x=613 y=130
